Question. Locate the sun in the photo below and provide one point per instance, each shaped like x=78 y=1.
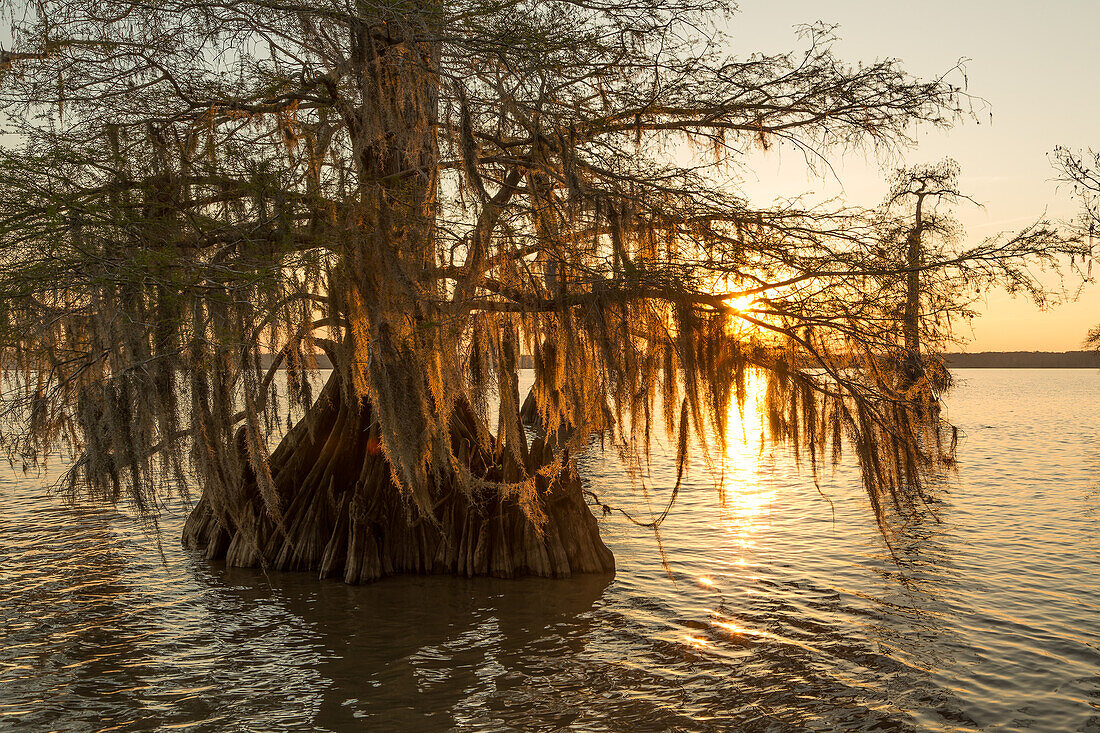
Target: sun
x=744 y=311
x=741 y=303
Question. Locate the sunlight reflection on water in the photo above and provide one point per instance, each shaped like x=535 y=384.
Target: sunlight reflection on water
x=778 y=615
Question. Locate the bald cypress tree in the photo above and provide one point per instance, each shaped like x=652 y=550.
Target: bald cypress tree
x=203 y=203
x=935 y=276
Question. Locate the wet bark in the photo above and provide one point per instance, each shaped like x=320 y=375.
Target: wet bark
x=342 y=516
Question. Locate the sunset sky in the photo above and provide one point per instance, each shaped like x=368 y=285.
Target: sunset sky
x=1034 y=64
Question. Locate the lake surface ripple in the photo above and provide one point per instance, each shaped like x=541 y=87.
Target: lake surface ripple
x=784 y=610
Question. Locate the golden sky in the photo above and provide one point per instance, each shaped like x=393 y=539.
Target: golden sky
x=1033 y=65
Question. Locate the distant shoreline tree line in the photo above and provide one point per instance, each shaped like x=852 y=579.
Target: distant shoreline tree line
x=1023 y=360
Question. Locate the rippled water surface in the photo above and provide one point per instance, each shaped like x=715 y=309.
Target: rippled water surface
x=784 y=610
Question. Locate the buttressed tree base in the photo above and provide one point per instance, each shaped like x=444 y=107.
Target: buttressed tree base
x=347 y=518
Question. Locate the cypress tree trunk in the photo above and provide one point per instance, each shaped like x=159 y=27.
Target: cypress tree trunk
x=345 y=518
x=913 y=368
x=341 y=512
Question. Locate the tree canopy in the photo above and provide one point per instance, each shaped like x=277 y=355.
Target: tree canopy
x=202 y=194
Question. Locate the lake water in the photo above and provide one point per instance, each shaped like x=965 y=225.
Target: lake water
x=777 y=611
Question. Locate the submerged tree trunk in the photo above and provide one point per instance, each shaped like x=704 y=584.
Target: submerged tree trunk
x=913 y=369
x=344 y=517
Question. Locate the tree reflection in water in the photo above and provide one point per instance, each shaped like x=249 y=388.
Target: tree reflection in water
x=429 y=653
